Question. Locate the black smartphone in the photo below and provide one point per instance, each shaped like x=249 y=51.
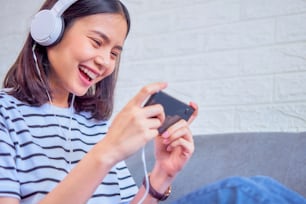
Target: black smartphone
x=174 y=109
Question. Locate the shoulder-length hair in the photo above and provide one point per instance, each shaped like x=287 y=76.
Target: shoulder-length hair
x=25 y=84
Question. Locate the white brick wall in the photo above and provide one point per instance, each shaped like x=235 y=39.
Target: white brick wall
x=15 y=17
x=242 y=61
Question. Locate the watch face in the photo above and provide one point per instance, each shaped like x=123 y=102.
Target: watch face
x=168 y=192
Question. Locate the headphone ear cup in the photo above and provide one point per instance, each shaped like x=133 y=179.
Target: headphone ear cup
x=46 y=27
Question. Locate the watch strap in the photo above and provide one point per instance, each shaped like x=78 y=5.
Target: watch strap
x=155 y=194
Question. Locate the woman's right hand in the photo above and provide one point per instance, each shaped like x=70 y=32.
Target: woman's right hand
x=135 y=125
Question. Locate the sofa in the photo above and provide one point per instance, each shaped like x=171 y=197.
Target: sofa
x=279 y=155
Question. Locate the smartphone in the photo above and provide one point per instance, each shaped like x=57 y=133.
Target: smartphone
x=175 y=109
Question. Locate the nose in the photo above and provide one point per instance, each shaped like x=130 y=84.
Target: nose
x=102 y=59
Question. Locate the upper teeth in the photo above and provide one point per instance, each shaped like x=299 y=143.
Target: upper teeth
x=91 y=74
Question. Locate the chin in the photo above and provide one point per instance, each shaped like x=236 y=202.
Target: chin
x=79 y=92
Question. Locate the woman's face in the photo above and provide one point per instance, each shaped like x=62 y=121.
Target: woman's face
x=86 y=54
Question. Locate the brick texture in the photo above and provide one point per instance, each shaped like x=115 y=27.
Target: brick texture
x=242 y=61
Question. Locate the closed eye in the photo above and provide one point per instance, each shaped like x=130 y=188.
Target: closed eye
x=115 y=54
x=96 y=42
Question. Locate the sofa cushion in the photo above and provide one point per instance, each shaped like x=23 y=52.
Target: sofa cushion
x=281 y=156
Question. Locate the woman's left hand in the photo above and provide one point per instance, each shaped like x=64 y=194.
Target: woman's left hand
x=174 y=147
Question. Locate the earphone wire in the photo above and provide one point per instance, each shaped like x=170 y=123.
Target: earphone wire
x=68 y=137
x=146 y=176
x=39 y=73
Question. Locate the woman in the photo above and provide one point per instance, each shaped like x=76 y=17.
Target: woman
x=56 y=143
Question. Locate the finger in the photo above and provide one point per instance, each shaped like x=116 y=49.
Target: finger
x=153 y=133
x=186 y=147
x=183 y=132
x=153 y=123
x=174 y=129
x=195 y=113
x=149 y=135
x=155 y=111
x=148 y=90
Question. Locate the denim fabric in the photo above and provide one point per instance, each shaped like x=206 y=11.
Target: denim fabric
x=240 y=190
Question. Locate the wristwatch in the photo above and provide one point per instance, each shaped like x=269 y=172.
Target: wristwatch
x=155 y=194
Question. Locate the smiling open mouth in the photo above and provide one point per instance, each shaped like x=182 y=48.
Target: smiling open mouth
x=89 y=75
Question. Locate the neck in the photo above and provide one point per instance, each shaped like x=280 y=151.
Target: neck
x=63 y=103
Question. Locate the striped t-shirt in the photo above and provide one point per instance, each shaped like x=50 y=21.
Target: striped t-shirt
x=38 y=149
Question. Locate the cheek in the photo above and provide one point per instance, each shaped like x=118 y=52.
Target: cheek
x=110 y=70
x=82 y=51
x=106 y=73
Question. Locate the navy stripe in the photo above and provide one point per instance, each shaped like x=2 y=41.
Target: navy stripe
x=5 y=155
x=128 y=197
x=41 y=180
x=64 y=127
x=2 y=130
x=17 y=119
x=127 y=187
x=121 y=168
x=105 y=195
x=7 y=167
x=51 y=158
x=49 y=136
x=42 y=167
x=34 y=193
x=10 y=192
x=110 y=183
x=112 y=172
x=64 y=139
x=49 y=125
x=123 y=178
x=4 y=142
x=22 y=131
x=66 y=117
x=9 y=108
x=2 y=125
x=41 y=155
x=82 y=141
x=8 y=179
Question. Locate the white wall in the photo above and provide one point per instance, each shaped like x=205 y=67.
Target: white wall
x=242 y=61
x=15 y=17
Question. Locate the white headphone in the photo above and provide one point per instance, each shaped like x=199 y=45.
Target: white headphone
x=47 y=25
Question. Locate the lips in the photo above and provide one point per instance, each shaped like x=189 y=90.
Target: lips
x=87 y=73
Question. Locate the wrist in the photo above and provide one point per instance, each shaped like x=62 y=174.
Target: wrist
x=153 y=192
x=160 y=180
x=103 y=155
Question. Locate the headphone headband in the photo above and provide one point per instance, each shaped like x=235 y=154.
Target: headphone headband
x=47 y=25
x=61 y=6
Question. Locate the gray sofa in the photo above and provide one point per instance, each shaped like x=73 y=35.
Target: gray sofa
x=281 y=156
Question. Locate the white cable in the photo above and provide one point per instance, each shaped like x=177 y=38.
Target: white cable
x=39 y=73
x=143 y=158
x=69 y=140
x=68 y=137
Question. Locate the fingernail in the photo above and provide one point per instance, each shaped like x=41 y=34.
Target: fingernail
x=165 y=134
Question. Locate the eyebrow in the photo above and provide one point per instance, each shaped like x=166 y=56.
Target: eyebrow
x=107 y=39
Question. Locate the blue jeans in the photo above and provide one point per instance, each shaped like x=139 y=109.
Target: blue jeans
x=240 y=190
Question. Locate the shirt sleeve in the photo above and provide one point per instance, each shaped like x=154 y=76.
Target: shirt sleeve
x=127 y=185
x=9 y=184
